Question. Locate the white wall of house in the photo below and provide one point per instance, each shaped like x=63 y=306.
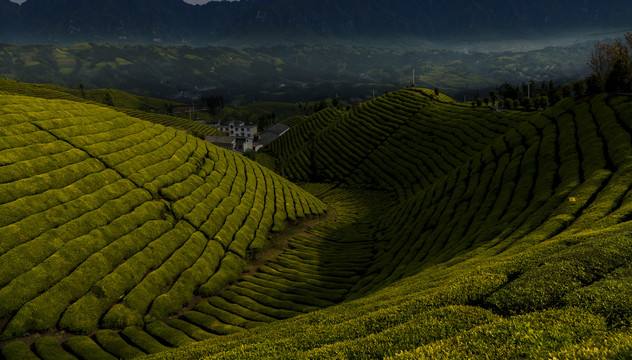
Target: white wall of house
x=239 y=129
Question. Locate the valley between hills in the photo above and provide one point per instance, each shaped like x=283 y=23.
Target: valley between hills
x=437 y=230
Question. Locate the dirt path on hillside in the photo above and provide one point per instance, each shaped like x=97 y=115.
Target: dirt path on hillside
x=278 y=243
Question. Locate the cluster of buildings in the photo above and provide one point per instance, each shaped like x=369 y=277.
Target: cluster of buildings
x=241 y=137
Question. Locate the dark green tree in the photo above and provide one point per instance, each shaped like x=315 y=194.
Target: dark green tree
x=509 y=91
x=214 y=103
x=335 y=102
x=594 y=84
x=493 y=95
x=612 y=65
x=579 y=88
x=567 y=90
x=169 y=108
x=536 y=102
x=321 y=105
x=108 y=99
x=619 y=78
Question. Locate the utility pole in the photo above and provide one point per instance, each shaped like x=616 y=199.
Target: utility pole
x=413 y=83
x=529 y=89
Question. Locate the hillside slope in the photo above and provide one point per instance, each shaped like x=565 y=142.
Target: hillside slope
x=129 y=104
x=452 y=232
x=521 y=250
x=110 y=221
x=420 y=138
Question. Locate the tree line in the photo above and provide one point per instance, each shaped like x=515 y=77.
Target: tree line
x=528 y=96
x=611 y=65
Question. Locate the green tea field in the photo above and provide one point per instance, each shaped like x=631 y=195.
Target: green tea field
x=415 y=227
x=123 y=102
x=109 y=221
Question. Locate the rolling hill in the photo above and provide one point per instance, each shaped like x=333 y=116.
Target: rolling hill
x=518 y=248
x=105 y=214
x=451 y=232
x=128 y=104
x=302 y=73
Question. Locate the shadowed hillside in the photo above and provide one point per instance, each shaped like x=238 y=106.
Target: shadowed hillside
x=520 y=249
x=419 y=138
x=558 y=173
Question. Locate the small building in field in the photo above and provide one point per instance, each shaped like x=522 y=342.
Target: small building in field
x=238 y=129
x=243 y=144
x=272 y=133
x=226 y=142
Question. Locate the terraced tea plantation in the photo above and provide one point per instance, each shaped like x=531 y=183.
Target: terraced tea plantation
x=108 y=221
x=444 y=231
x=127 y=101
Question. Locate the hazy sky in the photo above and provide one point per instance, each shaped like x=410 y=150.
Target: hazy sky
x=197 y=1
x=188 y=1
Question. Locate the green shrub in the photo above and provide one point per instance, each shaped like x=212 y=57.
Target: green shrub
x=18 y=350
x=191 y=330
x=236 y=318
x=94 y=261
x=566 y=271
x=230 y=269
x=84 y=314
x=39 y=183
x=140 y=339
x=112 y=342
x=61 y=216
x=609 y=297
x=278 y=309
x=210 y=323
x=49 y=348
x=168 y=334
x=300 y=287
x=152 y=285
x=278 y=291
x=120 y=317
x=611 y=346
x=423 y=328
x=85 y=348
x=533 y=335
x=182 y=290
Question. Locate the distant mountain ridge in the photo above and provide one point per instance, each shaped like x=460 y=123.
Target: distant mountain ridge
x=176 y=22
